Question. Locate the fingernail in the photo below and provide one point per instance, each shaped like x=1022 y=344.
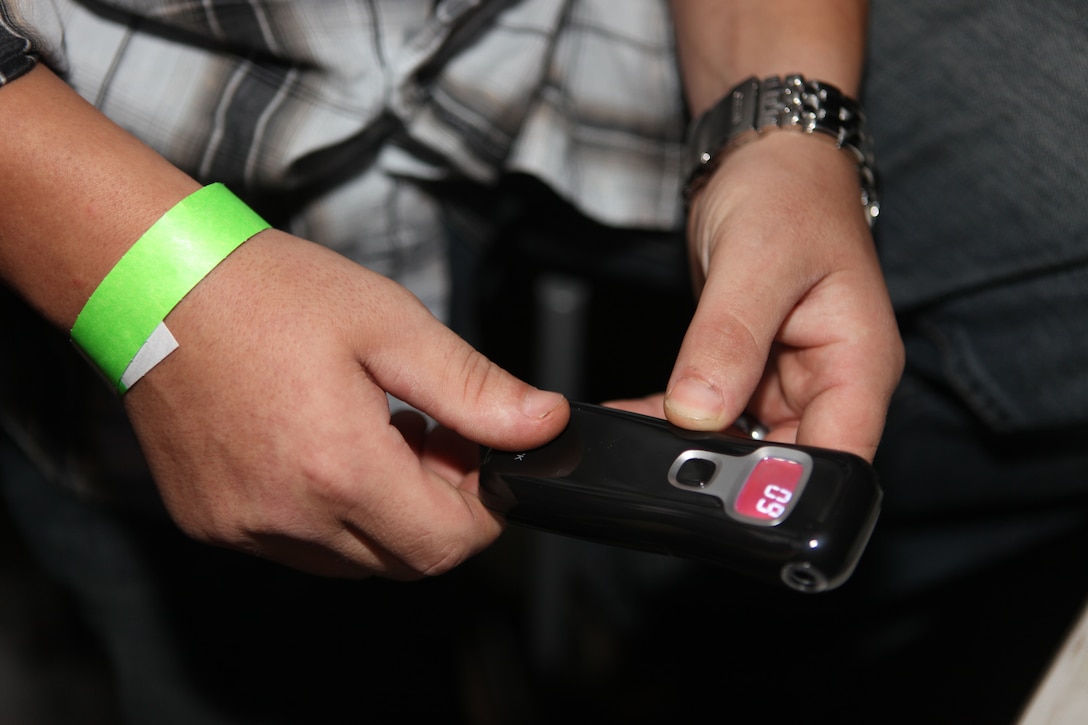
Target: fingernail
x=539 y=403
x=695 y=400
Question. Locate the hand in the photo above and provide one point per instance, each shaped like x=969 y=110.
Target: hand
x=793 y=323
x=269 y=430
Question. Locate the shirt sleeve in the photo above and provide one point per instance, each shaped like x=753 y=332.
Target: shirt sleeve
x=30 y=32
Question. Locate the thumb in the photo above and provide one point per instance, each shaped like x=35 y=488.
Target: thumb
x=427 y=365
x=723 y=354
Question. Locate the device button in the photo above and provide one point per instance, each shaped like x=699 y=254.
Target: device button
x=696 y=472
x=770 y=491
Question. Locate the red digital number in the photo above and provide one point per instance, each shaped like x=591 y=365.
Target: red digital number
x=769 y=491
x=774 y=501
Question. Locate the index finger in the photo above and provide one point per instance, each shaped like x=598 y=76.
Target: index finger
x=833 y=371
x=422 y=522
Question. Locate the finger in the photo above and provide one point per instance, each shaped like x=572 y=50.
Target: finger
x=858 y=376
x=844 y=418
x=842 y=383
x=425 y=364
x=322 y=559
x=847 y=417
x=409 y=520
x=726 y=347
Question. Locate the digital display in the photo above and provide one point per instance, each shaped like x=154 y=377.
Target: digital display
x=770 y=491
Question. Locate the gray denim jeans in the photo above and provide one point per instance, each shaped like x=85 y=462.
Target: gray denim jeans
x=978 y=113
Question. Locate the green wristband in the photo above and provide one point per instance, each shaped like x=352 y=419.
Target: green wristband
x=163 y=266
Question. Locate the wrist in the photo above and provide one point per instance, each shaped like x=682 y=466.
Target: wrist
x=756 y=107
x=121 y=328
x=785 y=194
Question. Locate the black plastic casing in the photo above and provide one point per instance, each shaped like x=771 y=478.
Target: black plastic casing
x=606 y=479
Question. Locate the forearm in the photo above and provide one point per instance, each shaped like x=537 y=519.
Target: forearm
x=722 y=42
x=75 y=192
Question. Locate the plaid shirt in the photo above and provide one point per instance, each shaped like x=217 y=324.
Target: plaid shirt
x=324 y=116
x=318 y=112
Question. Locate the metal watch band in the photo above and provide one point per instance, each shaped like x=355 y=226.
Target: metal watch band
x=790 y=102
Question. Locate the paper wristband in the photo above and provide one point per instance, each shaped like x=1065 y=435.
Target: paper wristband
x=163 y=266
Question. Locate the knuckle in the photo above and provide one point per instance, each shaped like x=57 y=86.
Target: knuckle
x=724 y=340
x=478 y=375
x=210 y=524
x=322 y=476
x=445 y=544
x=433 y=556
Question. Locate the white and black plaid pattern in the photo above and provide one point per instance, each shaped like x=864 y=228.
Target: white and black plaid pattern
x=333 y=106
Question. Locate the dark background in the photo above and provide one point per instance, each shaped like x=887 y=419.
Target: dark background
x=541 y=629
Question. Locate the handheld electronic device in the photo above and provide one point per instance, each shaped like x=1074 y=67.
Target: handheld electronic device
x=788 y=514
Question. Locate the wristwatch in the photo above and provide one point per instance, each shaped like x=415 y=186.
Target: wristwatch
x=790 y=102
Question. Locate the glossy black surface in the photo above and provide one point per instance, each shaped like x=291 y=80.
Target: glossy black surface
x=605 y=479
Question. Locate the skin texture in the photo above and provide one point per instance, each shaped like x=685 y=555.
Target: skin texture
x=269 y=431
x=793 y=323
